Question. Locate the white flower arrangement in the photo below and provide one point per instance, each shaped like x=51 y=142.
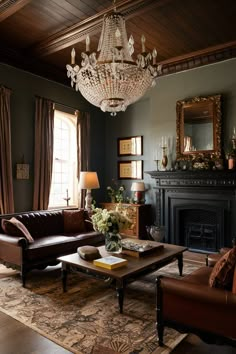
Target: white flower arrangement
x=109 y=221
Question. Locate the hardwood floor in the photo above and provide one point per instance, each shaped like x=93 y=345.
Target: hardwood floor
x=16 y=338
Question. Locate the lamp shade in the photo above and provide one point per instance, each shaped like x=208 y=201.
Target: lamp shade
x=88 y=180
x=138 y=187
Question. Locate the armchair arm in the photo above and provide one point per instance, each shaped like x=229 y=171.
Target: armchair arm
x=196 y=292
x=199 y=308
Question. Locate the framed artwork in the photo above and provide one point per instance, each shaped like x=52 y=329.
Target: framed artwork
x=22 y=171
x=130 y=146
x=130 y=169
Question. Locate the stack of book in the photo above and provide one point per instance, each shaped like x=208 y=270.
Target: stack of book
x=110 y=262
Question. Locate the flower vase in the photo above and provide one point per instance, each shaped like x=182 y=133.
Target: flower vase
x=113 y=242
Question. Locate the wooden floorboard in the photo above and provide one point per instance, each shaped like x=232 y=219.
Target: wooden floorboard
x=16 y=338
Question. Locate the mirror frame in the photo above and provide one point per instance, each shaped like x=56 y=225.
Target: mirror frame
x=217 y=128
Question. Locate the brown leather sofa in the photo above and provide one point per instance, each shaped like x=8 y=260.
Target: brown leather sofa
x=50 y=241
x=190 y=305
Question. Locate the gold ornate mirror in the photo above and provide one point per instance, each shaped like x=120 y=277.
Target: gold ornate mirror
x=198 y=127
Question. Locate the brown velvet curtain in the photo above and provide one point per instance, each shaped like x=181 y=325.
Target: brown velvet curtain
x=83 y=148
x=6 y=183
x=43 y=152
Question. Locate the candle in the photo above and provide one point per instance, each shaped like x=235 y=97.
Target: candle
x=154 y=55
x=67 y=193
x=73 y=56
x=162 y=141
x=87 y=43
x=234 y=134
x=143 y=40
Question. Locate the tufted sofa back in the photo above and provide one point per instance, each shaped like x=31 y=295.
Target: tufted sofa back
x=41 y=223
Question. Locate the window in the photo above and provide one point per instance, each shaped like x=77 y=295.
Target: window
x=64 y=173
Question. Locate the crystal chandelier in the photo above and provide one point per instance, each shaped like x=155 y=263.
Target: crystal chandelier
x=114 y=80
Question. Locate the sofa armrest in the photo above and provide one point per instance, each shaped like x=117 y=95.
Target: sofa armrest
x=13 y=240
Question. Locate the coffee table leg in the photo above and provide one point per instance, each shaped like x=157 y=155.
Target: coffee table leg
x=120 y=294
x=64 y=271
x=180 y=263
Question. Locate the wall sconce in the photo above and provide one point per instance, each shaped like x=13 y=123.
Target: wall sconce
x=138 y=188
x=88 y=180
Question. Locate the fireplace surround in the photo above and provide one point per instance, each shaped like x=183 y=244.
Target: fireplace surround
x=197 y=208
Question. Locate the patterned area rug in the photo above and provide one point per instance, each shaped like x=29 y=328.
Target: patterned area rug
x=85 y=319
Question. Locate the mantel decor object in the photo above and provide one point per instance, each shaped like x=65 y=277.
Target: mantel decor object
x=164 y=160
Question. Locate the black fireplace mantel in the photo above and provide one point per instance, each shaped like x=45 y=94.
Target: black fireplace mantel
x=201 y=192
x=202 y=178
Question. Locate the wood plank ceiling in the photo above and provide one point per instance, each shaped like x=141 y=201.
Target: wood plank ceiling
x=38 y=35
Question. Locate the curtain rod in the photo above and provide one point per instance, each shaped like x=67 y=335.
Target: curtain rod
x=3 y=86
x=61 y=104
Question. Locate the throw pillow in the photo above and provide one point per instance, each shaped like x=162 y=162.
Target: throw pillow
x=234 y=281
x=223 y=271
x=74 y=221
x=15 y=227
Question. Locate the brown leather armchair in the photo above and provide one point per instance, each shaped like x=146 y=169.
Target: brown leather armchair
x=190 y=305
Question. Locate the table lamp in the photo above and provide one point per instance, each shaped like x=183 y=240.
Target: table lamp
x=138 y=188
x=88 y=180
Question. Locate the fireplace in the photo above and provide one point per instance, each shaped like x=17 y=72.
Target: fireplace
x=199 y=228
x=197 y=208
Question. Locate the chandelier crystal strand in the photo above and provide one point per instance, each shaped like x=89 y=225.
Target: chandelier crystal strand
x=114 y=80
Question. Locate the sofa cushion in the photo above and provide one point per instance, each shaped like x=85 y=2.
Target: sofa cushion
x=43 y=223
x=52 y=247
x=15 y=227
x=74 y=221
x=223 y=271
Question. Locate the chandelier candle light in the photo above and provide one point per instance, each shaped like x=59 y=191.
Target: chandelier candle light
x=114 y=80
x=88 y=180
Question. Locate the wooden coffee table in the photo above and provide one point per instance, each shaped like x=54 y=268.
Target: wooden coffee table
x=135 y=267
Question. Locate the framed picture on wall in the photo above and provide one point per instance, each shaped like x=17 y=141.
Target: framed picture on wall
x=130 y=169
x=130 y=146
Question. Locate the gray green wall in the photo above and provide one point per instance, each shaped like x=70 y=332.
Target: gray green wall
x=155 y=115
x=152 y=117
x=25 y=87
